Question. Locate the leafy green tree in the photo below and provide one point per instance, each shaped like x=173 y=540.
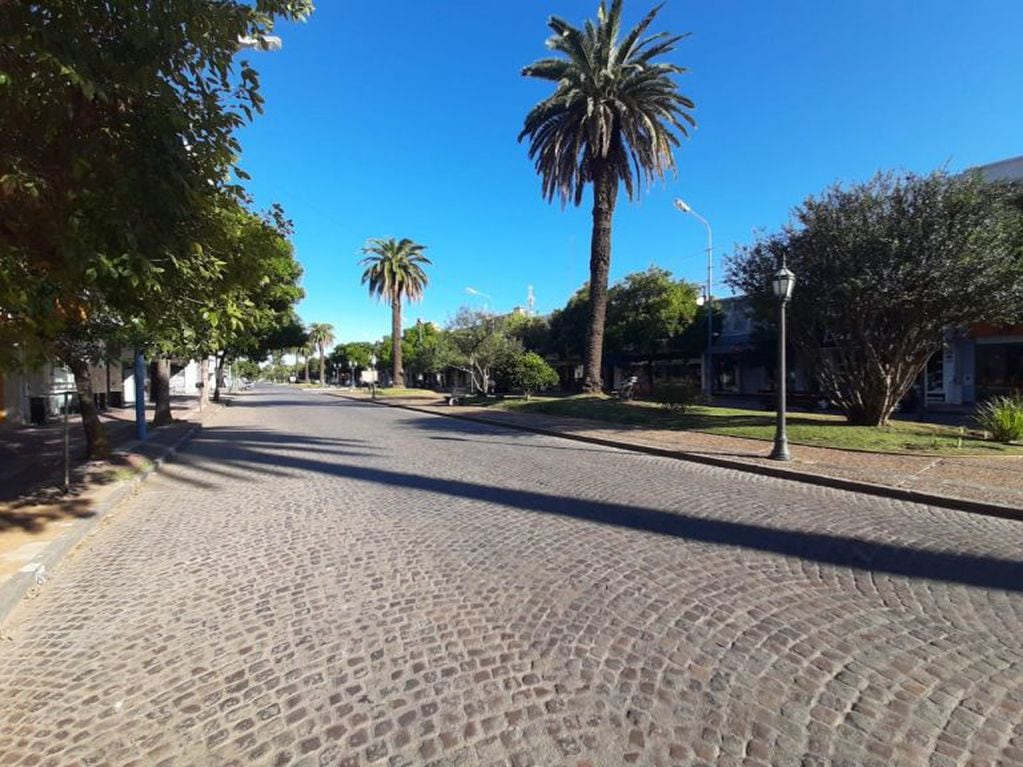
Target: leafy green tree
x=118 y=124
x=648 y=312
x=248 y=369
x=477 y=343
x=884 y=270
x=394 y=271
x=421 y=348
x=321 y=335
x=352 y=356
x=533 y=332
x=530 y=373
x=648 y=309
x=614 y=119
x=568 y=325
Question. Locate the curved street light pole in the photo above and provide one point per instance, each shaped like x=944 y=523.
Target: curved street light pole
x=708 y=388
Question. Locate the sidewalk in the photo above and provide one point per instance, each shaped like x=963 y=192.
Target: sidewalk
x=42 y=524
x=33 y=456
x=972 y=479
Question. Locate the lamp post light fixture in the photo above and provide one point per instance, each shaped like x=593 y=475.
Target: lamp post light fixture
x=708 y=375
x=781 y=285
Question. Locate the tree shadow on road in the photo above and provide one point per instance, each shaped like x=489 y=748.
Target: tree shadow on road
x=225 y=446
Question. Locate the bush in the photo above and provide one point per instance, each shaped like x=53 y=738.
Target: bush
x=679 y=396
x=1002 y=417
x=530 y=373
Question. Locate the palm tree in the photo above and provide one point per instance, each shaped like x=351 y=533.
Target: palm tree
x=612 y=119
x=321 y=335
x=306 y=350
x=394 y=270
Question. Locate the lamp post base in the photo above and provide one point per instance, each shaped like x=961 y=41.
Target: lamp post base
x=781 y=450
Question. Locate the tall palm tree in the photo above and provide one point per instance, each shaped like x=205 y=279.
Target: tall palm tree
x=613 y=118
x=394 y=271
x=306 y=350
x=321 y=335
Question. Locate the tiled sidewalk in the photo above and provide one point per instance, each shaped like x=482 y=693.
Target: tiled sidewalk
x=986 y=479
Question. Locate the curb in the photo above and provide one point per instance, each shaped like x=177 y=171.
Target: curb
x=34 y=574
x=983 y=508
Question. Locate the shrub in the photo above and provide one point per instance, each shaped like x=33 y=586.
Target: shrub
x=530 y=373
x=1002 y=417
x=678 y=396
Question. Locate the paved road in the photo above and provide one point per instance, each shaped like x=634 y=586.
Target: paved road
x=325 y=582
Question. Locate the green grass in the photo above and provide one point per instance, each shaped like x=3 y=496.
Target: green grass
x=396 y=392
x=819 y=430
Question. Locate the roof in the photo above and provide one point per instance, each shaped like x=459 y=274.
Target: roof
x=1003 y=170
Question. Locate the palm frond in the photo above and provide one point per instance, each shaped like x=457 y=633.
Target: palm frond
x=613 y=103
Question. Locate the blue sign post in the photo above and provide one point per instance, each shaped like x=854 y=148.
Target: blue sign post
x=140 y=397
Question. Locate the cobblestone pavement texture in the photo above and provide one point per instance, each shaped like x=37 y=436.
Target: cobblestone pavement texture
x=327 y=582
x=992 y=479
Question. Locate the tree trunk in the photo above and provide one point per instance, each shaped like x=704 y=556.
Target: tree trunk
x=96 y=446
x=204 y=377
x=306 y=355
x=161 y=391
x=605 y=189
x=399 y=372
x=219 y=377
x=323 y=364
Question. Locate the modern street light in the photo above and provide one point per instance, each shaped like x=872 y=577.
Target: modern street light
x=708 y=374
x=781 y=285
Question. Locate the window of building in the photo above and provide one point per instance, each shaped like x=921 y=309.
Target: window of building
x=999 y=368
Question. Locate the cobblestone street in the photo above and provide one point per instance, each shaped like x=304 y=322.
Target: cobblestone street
x=319 y=581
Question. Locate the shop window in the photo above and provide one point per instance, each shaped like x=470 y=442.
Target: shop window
x=999 y=368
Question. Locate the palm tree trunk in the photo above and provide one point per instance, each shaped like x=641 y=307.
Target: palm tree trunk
x=322 y=367
x=399 y=372
x=161 y=393
x=96 y=445
x=605 y=190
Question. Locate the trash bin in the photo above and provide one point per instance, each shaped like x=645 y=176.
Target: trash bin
x=37 y=410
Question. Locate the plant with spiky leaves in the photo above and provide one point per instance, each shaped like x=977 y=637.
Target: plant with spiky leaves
x=321 y=335
x=394 y=271
x=614 y=118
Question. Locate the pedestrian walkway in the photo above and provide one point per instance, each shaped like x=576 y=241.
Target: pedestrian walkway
x=984 y=479
x=36 y=513
x=33 y=456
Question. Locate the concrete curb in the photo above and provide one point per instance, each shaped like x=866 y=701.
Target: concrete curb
x=984 y=508
x=35 y=573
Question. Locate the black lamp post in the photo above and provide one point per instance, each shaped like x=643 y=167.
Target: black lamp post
x=781 y=285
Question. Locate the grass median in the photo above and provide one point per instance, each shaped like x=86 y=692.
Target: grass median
x=815 y=429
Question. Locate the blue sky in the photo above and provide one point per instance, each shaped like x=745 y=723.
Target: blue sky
x=400 y=117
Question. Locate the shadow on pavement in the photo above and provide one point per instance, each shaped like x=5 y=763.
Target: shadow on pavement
x=277 y=451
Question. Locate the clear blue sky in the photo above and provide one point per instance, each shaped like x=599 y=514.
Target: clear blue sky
x=399 y=118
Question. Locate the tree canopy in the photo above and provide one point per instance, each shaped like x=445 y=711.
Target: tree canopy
x=885 y=270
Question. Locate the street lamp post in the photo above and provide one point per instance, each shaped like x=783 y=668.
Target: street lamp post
x=781 y=285
x=708 y=388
